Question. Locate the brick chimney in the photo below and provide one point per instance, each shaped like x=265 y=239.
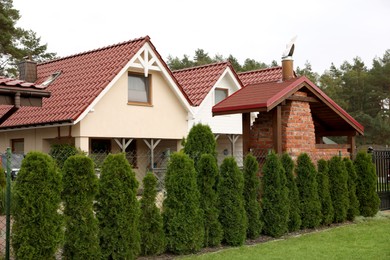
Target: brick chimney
x=287 y=68
x=28 y=70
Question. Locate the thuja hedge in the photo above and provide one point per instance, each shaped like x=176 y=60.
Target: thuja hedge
x=324 y=193
x=366 y=185
x=37 y=229
x=294 y=220
x=251 y=196
x=231 y=203
x=338 y=180
x=208 y=175
x=151 y=223
x=308 y=192
x=182 y=216
x=353 y=207
x=275 y=201
x=81 y=227
x=117 y=209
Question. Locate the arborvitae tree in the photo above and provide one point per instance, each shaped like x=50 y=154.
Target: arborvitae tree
x=208 y=174
x=275 y=201
x=117 y=209
x=366 y=185
x=151 y=223
x=338 y=181
x=200 y=140
x=183 y=218
x=81 y=227
x=231 y=203
x=308 y=192
x=251 y=195
x=353 y=209
x=61 y=152
x=3 y=180
x=324 y=193
x=37 y=229
x=294 y=221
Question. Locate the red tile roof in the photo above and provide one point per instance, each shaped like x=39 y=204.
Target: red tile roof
x=198 y=81
x=15 y=83
x=260 y=76
x=83 y=77
x=268 y=95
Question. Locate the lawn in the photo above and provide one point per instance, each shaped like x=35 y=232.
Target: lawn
x=367 y=238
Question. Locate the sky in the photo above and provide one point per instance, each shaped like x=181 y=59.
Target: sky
x=327 y=30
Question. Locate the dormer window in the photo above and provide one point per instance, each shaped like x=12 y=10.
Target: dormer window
x=220 y=94
x=51 y=78
x=139 y=90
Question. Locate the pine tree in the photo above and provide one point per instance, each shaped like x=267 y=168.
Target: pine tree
x=324 y=193
x=294 y=220
x=151 y=224
x=208 y=174
x=231 y=203
x=308 y=192
x=117 y=209
x=338 y=180
x=275 y=201
x=182 y=216
x=366 y=185
x=353 y=209
x=251 y=194
x=37 y=229
x=81 y=227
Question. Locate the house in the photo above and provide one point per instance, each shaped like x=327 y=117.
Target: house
x=293 y=116
x=206 y=86
x=118 y=98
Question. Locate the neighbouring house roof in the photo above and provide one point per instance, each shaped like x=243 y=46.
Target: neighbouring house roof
x=9 y=83
x=198 y=81
x=82 y=78
x=260 y=76
x=266 y=96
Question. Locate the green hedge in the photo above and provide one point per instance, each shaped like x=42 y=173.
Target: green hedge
x=37 y=230
x=183 y=218
x=81 y=227
x=117 y=209
x=324 y=193
x=353 y=207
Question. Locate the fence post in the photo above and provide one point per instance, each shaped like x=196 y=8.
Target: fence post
x=8 y=205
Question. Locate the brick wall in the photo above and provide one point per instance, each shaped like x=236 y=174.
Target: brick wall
x=298 y=132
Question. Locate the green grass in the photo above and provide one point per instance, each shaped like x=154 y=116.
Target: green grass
x=368 y=238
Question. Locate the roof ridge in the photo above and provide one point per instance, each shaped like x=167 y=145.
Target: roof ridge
x=201 y=66
x=145 y=38
x=258 y=70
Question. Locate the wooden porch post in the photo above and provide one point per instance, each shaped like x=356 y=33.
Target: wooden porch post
x=152 y=145
x=246 y=127
x=352 y=142
x=233 y=139
x=277 y=129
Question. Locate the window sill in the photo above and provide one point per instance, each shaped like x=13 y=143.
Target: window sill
x=140 y=104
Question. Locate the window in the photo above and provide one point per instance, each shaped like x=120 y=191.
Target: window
x=17 y=146
x=101 y=146
x=131 y=153
x=51 y=78
x=139 y=89
x=220 y=94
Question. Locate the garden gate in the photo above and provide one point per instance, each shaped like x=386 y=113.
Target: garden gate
x=381 y=159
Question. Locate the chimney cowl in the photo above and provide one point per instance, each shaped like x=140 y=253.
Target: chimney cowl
x=28 y=71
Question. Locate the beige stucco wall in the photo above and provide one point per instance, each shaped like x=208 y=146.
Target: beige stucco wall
x=113 y=117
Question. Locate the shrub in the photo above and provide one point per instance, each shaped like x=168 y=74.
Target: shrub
x=294 y=220
x=151 y=223
x=324 y=193
x=200 y=140
x=338 y=180
x=3 y=180
x=308 y=192
x=37 y=230
x=81 y=227
x=251 y=195
x=117 y=209
x=61 y=152
x=275 y=201
x=366 y=185
x=353 y=207
x=183 y=218
x=231 y=203
x=208 y=174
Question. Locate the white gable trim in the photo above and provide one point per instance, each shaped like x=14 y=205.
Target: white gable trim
x=144 y=63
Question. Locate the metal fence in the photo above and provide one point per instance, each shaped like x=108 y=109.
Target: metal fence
x=381 y=159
